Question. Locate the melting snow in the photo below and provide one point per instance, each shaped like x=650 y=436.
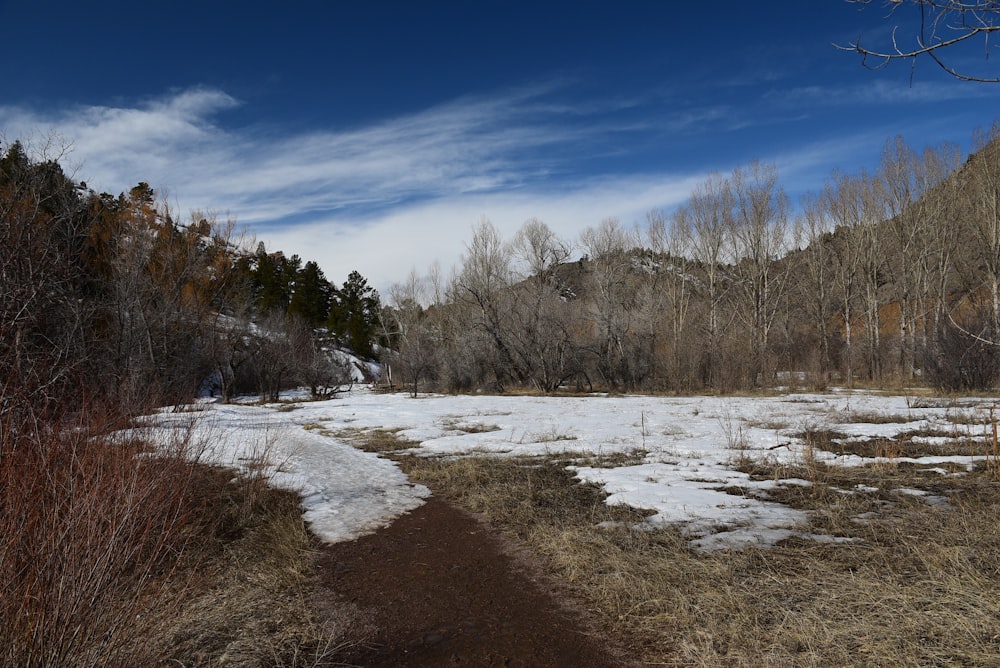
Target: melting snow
x=686 y=451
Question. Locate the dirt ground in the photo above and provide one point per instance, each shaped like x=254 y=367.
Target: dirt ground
x=440 y=588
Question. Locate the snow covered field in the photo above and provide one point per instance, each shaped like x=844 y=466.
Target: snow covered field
x=686 y=449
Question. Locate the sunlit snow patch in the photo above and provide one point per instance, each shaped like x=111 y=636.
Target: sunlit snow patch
x=715 y=518
x=346 y=493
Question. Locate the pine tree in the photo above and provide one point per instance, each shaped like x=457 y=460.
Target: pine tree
x=274 y=280
x=354 y=314
x=312 y=295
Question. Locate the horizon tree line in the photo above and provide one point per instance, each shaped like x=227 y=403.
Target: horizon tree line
x=884 y=277
x=890 y=276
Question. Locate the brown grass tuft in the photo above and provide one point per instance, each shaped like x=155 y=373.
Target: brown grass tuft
x=255 y=606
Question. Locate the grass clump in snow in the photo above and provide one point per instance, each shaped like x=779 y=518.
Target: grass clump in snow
x=913 y=443
x=378 y=441
x=919 y=585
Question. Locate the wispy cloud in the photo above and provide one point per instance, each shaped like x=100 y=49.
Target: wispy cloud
x=407 y=188
x=178 y=143
x=386 y=247
x=404 y=191
x=878 y=92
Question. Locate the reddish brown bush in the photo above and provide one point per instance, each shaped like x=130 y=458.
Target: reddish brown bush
x=91 y=528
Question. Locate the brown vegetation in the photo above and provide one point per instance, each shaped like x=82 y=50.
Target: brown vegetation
x=113 y=555
x=914 y=583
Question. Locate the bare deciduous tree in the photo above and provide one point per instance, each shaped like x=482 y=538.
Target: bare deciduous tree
x=670 y=291
x=608 y=245
x=707 y=216
x=849 y=202
x=540 y=327
x=483 y=286
x=935 y=29
x=817 y=296
x=984 y=218
x=759 y=239
x=917 y=241
x=274 y=343
x=415 y=337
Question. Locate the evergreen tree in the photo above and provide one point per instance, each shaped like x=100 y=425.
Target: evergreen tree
x=312 y=295
x=354 y=314
x=274 y=280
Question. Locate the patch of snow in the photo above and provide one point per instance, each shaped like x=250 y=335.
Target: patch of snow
x=689 y=449
x=932 y=499
x=345 y=492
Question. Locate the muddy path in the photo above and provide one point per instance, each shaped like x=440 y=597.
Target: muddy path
x=440 y=588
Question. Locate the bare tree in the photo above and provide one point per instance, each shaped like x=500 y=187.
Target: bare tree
x=984 y=218
x=607 y=245
x=42 y=229
x=412 y=332
x=817 y=292
x=917 y=241
x=940 y=208
x=707 y=216
x=483 y=286
x=849 y=202
x=671 y=289
x=938 y=30
x=759 y=239
x=319 y=365
x=541 y=315
x=899 y=172
x=274 y=343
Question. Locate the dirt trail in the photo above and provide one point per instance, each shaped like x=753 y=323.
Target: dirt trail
x=440 y=588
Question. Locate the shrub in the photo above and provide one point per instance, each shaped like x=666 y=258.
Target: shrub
x=961 y=361
x=90 y=531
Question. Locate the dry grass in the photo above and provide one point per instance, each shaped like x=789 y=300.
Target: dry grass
x=920 y=587
x=254 y=605
x=914 y=443
x=380 y=441
x=467 y=427
x=870 y=417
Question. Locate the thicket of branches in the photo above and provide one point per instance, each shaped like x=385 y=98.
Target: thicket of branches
x=885 y=277
x=113 y=297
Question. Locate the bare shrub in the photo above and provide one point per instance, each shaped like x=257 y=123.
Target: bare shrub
x=113 y=554
x=962 y=361
x=90 y=533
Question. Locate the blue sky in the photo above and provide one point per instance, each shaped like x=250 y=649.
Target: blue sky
x=373 y=136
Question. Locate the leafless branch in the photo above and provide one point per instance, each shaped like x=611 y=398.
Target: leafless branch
x=943 y=25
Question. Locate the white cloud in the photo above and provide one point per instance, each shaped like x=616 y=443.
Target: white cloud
x=385 y=248
x=404 y=191
x=117 y=146
x=469 y=145
x=380 y=198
